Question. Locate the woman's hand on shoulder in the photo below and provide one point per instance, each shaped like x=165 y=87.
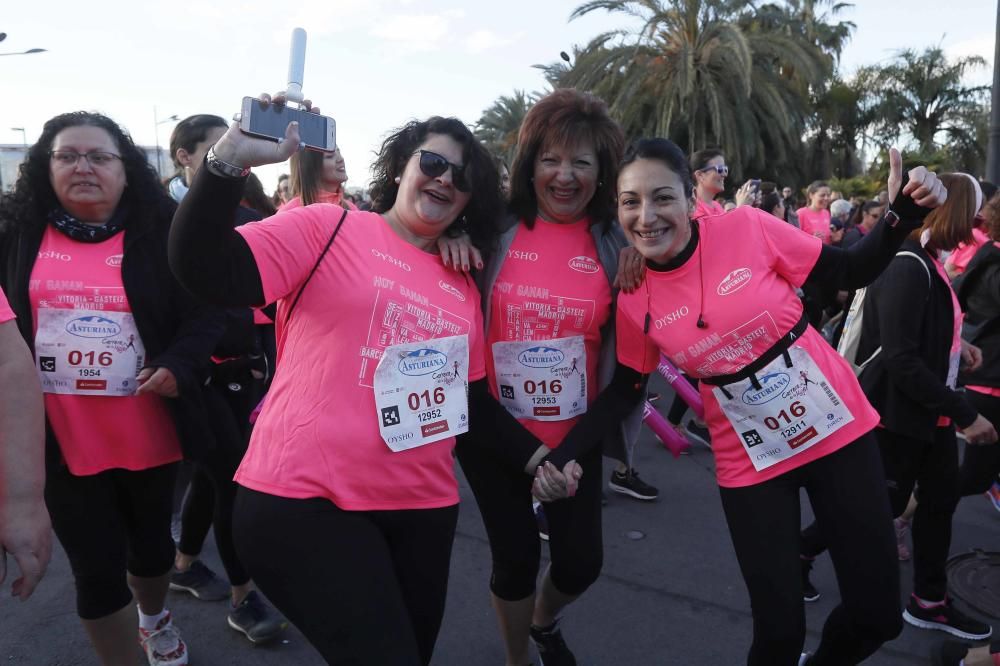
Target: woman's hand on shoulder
x=631 y=270
x=924 y=187
x=459 y=253
x=243 y=150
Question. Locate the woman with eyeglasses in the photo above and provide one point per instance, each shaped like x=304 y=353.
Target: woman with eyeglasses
x=863 y=221
x=710 y=172
x=122 y=352
x=547 y=302
x=785 y=410
x=348 y=499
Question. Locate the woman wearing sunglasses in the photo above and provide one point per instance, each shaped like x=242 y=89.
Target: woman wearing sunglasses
x=348 y=486
x=547 y=292
x=710 y=171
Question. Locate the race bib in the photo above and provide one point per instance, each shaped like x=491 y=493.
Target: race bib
x=792 y=409
x=88 y=352
x=542 y=381
x=421 y=392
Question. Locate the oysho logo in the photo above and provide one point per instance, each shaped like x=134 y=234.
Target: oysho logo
x=521 y=254
x=114 y=260
x=422 y=362
x=52 y=254
x=771 y=387
x=93 y=326
x=735 y=281
x=392 y=260
x=541 y=357
x=452 y=289
x=584 y=265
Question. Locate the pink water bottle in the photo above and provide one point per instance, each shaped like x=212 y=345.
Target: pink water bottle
x=681 y=386
x=671 y=439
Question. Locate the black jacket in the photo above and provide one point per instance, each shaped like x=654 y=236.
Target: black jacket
x=978 y=290
x=914 y=323
x=178 y=331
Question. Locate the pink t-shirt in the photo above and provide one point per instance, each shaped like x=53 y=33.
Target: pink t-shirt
x=335 y=198
x=749 y=303
x=97 y=433
x=551 y=286
x=963 y=254
x=318 y=434
x=703 y=209
x=6 y=314
x=815 y=222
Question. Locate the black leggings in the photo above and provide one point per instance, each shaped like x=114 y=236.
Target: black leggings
x=111 y=523
x=847 y=493
x=364 y=587
x=981 y=463
x=575 y=539
x=212 y=493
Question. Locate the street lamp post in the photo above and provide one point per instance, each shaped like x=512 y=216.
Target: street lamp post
x=24 y=136
x=993 y=149
x=28 y=52
x=156 y=131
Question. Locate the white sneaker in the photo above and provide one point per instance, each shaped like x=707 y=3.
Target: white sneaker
x=163 y=646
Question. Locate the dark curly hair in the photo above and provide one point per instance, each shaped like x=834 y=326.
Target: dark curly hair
x=33 y=198
x=564 y=117
x=480 y=216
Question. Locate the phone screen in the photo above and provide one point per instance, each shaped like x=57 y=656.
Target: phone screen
x=273 y=120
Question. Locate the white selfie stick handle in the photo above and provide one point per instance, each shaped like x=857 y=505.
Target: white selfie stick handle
x=296 y=65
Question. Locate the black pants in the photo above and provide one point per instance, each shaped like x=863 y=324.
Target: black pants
x=111 y=523
x=933 y=467
x=575 y=540
x=364 y=587
x=981 y=463
x=212 y=492
x=846 y=490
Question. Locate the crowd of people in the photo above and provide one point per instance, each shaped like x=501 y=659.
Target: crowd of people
x=303 y=372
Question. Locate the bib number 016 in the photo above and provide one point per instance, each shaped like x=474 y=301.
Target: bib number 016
x=796 y=410
x=425 y=399
x=77 y=358
x=552 y=387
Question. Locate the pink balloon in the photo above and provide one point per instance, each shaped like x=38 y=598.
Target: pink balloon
x=671 y=439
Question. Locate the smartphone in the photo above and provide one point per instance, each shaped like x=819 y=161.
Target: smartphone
x=316 y=131
x=755 y=183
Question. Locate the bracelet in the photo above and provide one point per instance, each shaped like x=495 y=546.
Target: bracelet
x=225 y=168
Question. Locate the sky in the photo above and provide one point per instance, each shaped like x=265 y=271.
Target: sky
x=371 y=64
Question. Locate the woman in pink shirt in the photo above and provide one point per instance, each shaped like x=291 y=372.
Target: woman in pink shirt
x=348 y=502
x=318 y=178
x=815 y=217
x=710 y=171
x=785 y=411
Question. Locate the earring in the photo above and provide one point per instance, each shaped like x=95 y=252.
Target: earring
x=397 y=180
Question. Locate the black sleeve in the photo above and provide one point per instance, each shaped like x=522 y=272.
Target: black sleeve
x=902 y=298
x=206 y=254
x=858 y=265
x=493 y=428
x=603 y=417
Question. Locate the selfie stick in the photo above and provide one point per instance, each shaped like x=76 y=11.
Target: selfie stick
x=296 y=65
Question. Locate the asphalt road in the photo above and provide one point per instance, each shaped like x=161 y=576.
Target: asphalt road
x=672 y=596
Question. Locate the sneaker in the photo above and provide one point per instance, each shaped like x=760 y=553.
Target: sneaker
x=200 y=581
x=552 y=650
x=630 y=484
x=902 y=531
x=256 y=620
x=163 y=646
x=947 y=618
x=543 y=522
x=949 y=653
x=809 y=591
x=994 y=495
x=696 y=432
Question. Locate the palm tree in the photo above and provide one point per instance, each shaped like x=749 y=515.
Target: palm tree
x=498 y=126
x=923 y=97
x=704 y=73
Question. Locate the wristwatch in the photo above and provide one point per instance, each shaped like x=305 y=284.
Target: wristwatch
x=891 y=217
x=225 y=168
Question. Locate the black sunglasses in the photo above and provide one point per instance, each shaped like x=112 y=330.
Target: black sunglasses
x=433 y=165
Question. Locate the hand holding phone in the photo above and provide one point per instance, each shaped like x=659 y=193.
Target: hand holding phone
x=242 y=149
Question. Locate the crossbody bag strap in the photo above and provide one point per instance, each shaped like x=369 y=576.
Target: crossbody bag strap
x=316 y=266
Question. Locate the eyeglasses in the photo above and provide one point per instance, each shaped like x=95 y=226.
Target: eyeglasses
x=433 y=165
x=69 y=158
x=721 y=169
